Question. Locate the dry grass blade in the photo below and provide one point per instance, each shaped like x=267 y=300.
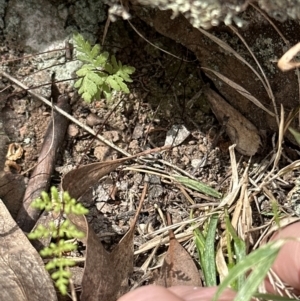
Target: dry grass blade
x=267 y=178
x=241 y=90
x=280 y=138
x=235 y=184
x=240 y=204
x=270 y=92
x=235 y=176
x=167 y=52
x=239 y=57
x=271 y=22
x=107 y=23
x=285 y=63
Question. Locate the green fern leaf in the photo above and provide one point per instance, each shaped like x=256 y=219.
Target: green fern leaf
x=90 y=86
x=99 y=74
x=84 y=58
x=98 y=78
x=95 y=51
x=81 y=43
x=101 y=59
x=122 y=85
x=128 y=69
x=115 y=65
x=125 y=71
x=84 y=70
x=109 y=68
x=87 y=97
x=78 y=83
x=113 y=83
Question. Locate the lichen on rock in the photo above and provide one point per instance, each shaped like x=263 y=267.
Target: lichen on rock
x=208 y=13
x=200 y=13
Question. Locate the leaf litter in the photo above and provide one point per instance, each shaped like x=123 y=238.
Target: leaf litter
x=182 y=228
x=22 y=272
x=178 y=267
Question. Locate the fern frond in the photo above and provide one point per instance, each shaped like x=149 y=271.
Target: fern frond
x=98 y=74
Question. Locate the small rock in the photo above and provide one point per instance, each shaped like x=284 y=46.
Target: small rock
x=101 y=152
x=138 y=131
x=176 y=135
x=111 y=136
x=92 y=120
x=73 y=130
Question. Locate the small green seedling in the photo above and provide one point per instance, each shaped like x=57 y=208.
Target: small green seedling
x=99 y=74
x=60 y=204
x=205 y=244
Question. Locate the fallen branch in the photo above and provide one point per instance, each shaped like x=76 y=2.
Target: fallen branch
x=71 y=118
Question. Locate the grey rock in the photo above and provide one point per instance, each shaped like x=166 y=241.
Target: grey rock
x=33 y=25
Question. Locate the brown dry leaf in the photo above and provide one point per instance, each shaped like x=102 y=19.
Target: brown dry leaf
x=78 y=181
x=22 y=273
x=105 y=274
x=285 y=62
x=12 y=189
x=178 y=267
x=239 y=129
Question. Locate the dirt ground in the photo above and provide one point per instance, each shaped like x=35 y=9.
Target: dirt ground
x=163 y=95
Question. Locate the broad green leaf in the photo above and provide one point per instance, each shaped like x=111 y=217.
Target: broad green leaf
x=198 y=186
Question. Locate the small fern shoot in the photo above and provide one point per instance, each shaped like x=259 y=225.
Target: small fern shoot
x=60 y=204
x=99 y=73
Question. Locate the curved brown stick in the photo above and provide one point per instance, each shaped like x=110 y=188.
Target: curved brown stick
x=40 y=178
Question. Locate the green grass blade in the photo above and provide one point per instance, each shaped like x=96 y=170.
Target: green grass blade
x=239 y=248
x=209 y=268
x=296 y=134
x=200 y=241
x=255 y=278
x=260 y=259
x=198 y=186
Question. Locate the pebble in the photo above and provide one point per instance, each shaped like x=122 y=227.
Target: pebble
x=92 y=120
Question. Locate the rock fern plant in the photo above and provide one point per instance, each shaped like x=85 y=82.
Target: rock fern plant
x=60 y=205
x=99 y=73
